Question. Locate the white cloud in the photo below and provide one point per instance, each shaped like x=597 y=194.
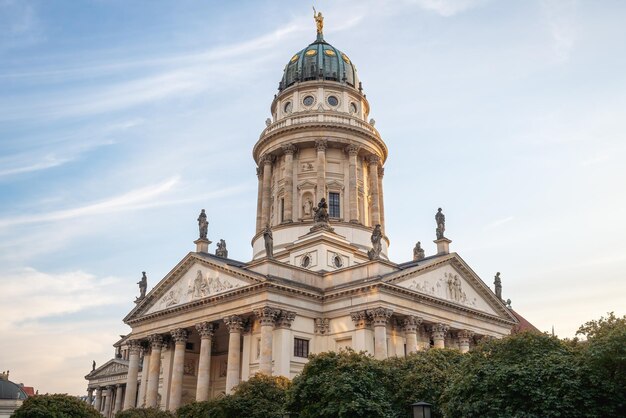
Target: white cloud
x=561 y=18
x=499 y=222
x=449 y=8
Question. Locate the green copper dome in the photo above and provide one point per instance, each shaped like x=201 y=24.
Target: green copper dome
x=320 y=61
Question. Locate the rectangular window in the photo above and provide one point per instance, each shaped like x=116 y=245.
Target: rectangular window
x=333 y=205
x=300 y=347
x=282 y=209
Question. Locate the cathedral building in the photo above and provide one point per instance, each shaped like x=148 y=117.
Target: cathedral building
x=319 y=279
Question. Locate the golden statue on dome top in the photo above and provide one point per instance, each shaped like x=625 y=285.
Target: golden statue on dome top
x=319 y=20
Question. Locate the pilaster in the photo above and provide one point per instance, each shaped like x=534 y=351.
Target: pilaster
x=320 y=146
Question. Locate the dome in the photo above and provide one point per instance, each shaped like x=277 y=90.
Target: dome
x=319 y=60
x=9 y=390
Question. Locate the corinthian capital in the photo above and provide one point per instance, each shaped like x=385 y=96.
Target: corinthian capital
x=179 y=335
x=360 y=319
x=373 y=159
x=439 y=331
x=267 y=159
x=322 y=325
x=234 y=323
x=321 y=144
x=289 y=149
x=285 y=318
x=465 y=336
x=352 y=149
x=380 y=316
x=411 y=323
x=156 y=341
x=206 y=329
x=267 y=315
x=134 y=346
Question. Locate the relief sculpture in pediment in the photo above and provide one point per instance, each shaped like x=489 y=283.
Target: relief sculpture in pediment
x=447 y=287
x=206 y=286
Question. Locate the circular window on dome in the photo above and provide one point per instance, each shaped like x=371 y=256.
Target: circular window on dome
x=294 y=58
x=306 y=261
x=308 y=101
x=332 y=100
x=288 y=107
x=329 y=52
x=345 y=58
x=310 y=52
x=353 y=108
x=337 y=261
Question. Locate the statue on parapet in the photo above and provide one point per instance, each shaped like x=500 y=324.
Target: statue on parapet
x=93 y=365
x=418 y=252
x=498 y=285
x=203 y=225
x=377 y=246
x=221 y=250
x=440 y=218
x=143 y=286
x=320 y=216
x=269 y=241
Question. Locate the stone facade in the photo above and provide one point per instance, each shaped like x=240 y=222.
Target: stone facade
x=213 y=322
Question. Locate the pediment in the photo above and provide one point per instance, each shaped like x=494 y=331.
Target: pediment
x=110 y=368
x=454 y=283
x=195 y=278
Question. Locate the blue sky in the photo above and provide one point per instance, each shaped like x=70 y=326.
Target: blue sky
x=120 y=120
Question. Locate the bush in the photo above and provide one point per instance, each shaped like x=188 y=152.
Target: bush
x=144 y=413
x=55 y=406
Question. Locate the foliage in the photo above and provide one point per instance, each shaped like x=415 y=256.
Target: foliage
x=605 y=355
x=144 y=413
x=55 y=406
x=525 y=375
x=421 y=376
x=340 y=385
x=261 y=396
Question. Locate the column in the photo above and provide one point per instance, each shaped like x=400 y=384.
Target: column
x=381 y=197
x=464 y=340
x=379 y=317
x=267 y=317
x=373 y=161
x=145 y=369
x=439 y=332
x=289 y=150
x=361 y=321
x=156 y=344
x=411 y=323
x=284 y=344
x=118 y=398
x=352 y=151
x=98 y=402
x=179 y=336
x=206 y=330
x=320 y=145
x=107 y=401
x=266 y=160
x=235 y=326
x=259 y=200
x=89 y=396
x=133 y=371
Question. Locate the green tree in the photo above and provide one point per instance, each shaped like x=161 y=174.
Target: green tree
x=341 y=384
x=144 y=413
x=525 y=375
x=421 y=376
x=55 y=406
x=605 y=355
x=261 y=396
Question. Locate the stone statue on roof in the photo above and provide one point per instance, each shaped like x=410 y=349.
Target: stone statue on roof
x=321 y=211
x=440 y=218
x=377 y=247
x=203 y=225
x=498 y=285
x=143 y=285
x=418 y=252
x=221 y=250
x=93 y=365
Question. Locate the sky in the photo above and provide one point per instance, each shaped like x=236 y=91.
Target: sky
x=120 y=120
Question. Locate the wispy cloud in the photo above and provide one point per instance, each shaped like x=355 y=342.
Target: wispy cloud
x=561 y=20
x=499 y=222
x=448 y=8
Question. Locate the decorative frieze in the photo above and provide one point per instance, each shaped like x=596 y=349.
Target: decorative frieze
x=321 y=326
x=206 y=329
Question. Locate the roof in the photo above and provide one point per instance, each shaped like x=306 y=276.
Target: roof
x=319 y=60
x=29 y=390
x=524 y=325
x=10 y=390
